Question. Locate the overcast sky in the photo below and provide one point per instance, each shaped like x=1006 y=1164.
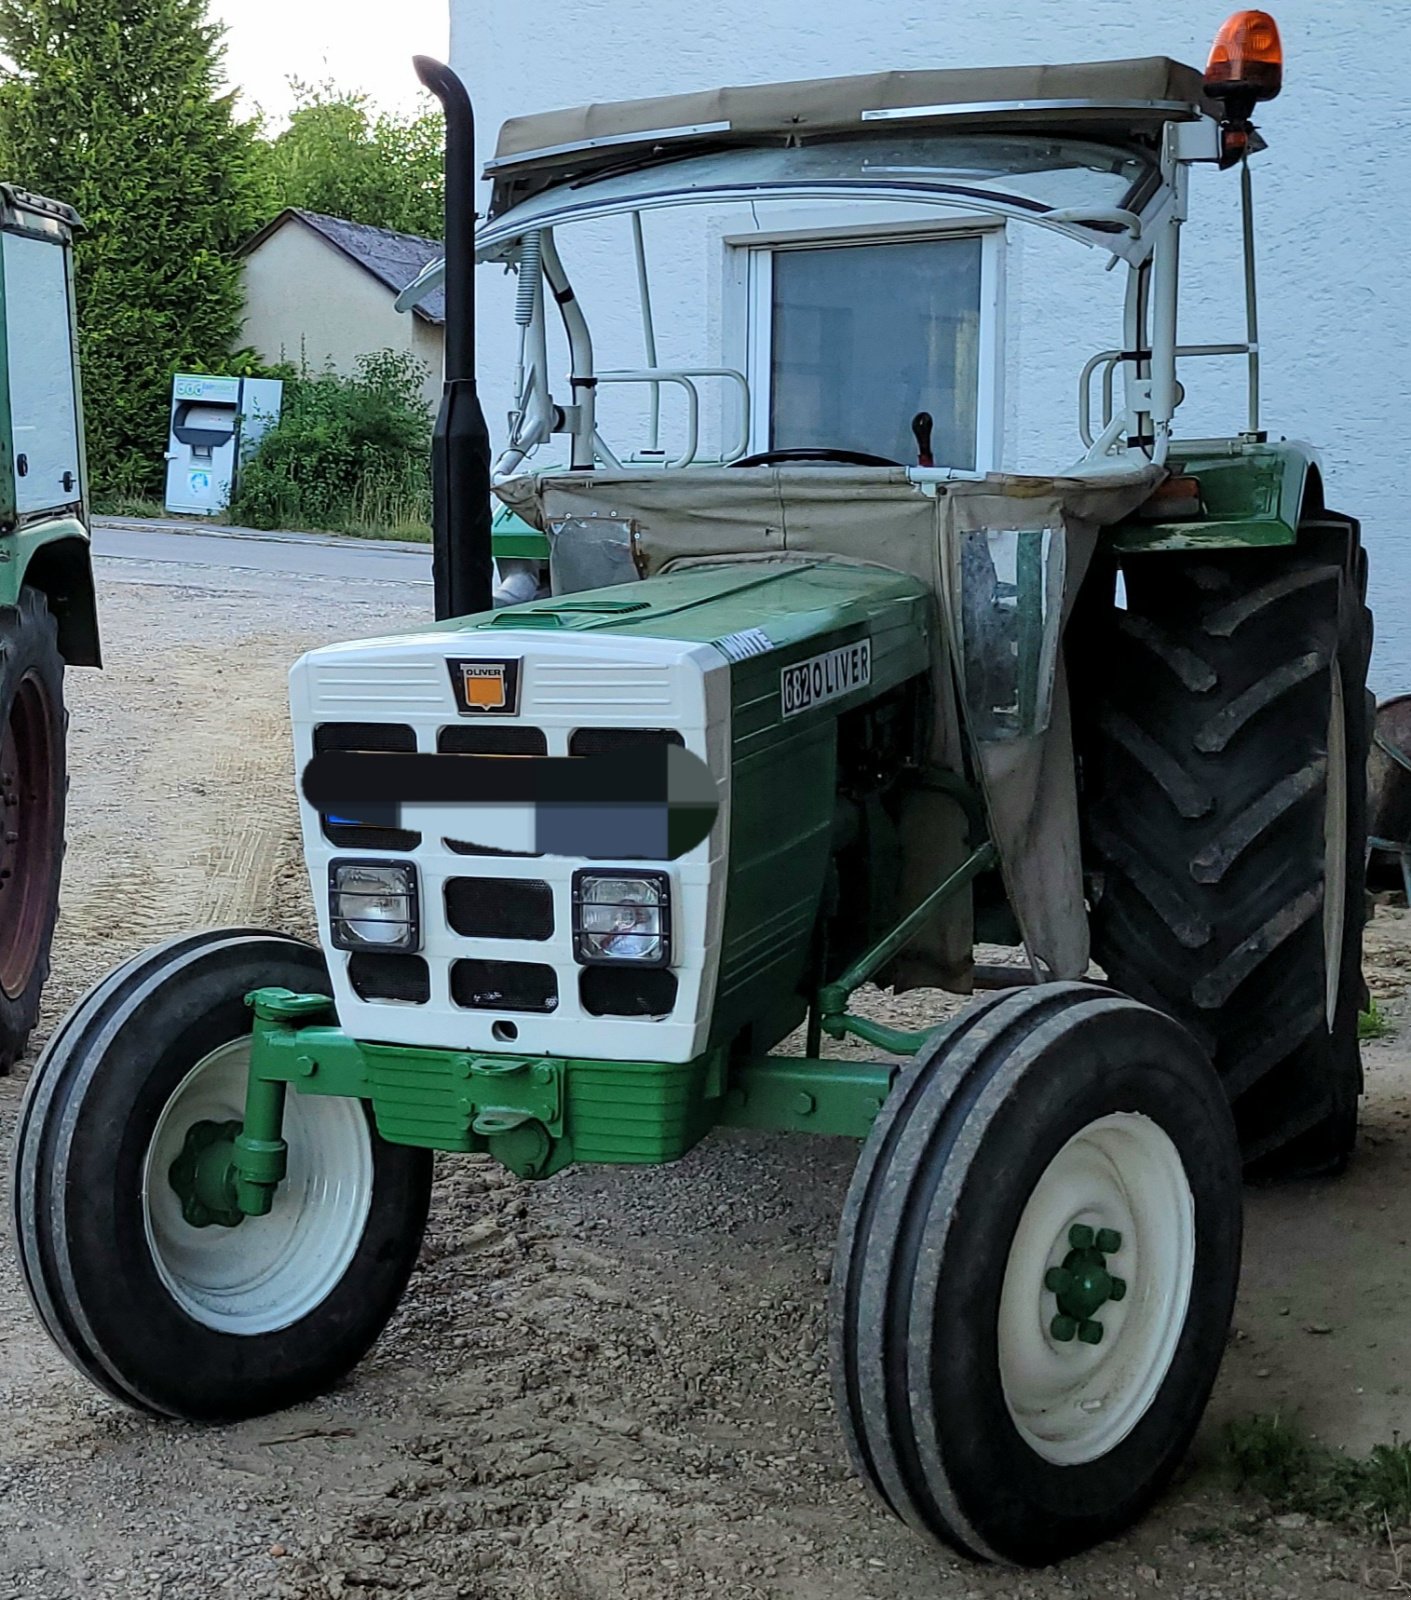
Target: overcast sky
x=359 y=44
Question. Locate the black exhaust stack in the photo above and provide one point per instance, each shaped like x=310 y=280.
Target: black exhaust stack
x=461 y=567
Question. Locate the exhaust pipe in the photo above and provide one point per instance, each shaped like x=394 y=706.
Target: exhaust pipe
x=461 y=562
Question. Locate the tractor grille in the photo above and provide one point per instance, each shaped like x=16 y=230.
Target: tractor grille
x=480 y=741
x=494 y=967
x=601 y=741
x=625 y=992
x=500 y=908
x=465 y=741
x=379 y=975
x=522 y=908
x=504 y=986
x=379 y=736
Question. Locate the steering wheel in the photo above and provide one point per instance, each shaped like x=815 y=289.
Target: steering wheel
x=817 y=454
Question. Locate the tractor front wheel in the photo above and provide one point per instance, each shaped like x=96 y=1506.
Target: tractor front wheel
x=164 y=1303
x=32 y=793
x=1036 y=1272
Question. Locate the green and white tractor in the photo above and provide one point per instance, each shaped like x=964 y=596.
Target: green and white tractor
x=47 y=614
x=796 y=716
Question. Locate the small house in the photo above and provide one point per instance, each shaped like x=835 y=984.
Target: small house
x=320 y=292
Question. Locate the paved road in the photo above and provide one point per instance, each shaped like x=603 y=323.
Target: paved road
x=133 y=550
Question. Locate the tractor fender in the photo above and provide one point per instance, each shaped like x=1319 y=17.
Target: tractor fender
x=55 y=557
x=1252 y=495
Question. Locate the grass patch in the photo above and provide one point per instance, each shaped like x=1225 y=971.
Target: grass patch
x=373 y=511
x=1372 y=1023
x=1274 y=1458
x=127 y=505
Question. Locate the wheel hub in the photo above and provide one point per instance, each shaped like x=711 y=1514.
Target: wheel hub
x=267 y=1275
x=1118 y=1181
x=1082 y=1284
x=204 y=1174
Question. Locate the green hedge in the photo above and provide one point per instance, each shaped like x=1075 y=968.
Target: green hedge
x=348 y=454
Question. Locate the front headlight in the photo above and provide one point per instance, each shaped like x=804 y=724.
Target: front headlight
x=373 y=905
x=622 y=917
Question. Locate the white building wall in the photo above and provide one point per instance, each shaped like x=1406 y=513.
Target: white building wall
x=1332 y=196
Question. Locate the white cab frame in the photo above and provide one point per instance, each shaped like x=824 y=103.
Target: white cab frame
x=1137 y=430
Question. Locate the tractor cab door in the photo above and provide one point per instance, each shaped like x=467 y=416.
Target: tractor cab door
x=44 y=442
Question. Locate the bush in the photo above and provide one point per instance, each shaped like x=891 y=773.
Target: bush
x=352 y=455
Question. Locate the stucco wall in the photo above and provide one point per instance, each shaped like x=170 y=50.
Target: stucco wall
x=1331 y=196
x=307 y=303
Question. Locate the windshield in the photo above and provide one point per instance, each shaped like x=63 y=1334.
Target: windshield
x=1037 y=174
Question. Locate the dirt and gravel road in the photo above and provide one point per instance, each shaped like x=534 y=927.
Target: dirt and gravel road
x=612 y=1384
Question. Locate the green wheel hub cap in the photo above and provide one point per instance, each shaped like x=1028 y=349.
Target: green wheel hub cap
x=1082 y=1285
x=203 y=1175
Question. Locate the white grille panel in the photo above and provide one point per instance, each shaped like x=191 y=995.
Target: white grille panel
x=566 y=682
x=596 y=685
x=390 y=686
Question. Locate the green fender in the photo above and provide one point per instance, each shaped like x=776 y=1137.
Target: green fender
x=512 y=538
x=1253 y=494
x=55 y=558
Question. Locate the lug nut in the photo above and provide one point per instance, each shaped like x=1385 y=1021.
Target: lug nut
x=1090 y=1332
x=1080 y=1236
x=1109 y=1241
x=1064 y=1329
x=1117 y=1289
x=1058 y=1280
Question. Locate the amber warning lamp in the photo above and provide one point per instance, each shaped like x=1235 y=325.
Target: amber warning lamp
x=1246 y=63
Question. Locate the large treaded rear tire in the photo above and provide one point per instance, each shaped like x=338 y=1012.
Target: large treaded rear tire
x=33 y=790
x=1208 y=708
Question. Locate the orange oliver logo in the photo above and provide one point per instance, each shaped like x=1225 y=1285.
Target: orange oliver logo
x=486 y=688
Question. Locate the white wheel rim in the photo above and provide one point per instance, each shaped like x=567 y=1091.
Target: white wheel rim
x=267 y=1272
x=1074 y=1402
x=1335 y=848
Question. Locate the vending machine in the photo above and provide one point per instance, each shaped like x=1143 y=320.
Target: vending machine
x=215 y=424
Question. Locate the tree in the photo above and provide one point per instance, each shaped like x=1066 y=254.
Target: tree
x=342 y=157
x=119 y=108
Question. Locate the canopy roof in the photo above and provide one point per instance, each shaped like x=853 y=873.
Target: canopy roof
x=1122 y=100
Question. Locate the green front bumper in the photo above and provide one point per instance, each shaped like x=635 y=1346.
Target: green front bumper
x=539 y=1114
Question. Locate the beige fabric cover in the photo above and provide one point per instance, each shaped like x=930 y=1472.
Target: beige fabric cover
x=878 y=516
x=835 y=105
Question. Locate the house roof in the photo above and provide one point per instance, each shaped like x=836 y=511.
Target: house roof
x=394 y=259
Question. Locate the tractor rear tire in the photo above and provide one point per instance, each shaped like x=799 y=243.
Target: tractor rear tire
x=33 y=782
x=1224 y=753
x=1035 y=1273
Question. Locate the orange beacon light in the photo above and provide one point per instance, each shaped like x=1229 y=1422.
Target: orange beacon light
x=1246 y=62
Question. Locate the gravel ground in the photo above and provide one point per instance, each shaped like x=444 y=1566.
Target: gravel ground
x=611 y=1384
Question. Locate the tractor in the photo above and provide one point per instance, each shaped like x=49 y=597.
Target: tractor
x=801 y=711
x=47 y=613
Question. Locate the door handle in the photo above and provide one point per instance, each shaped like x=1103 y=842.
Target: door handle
x=68 y=482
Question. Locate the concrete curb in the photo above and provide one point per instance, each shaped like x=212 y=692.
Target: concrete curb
x=257 y=535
